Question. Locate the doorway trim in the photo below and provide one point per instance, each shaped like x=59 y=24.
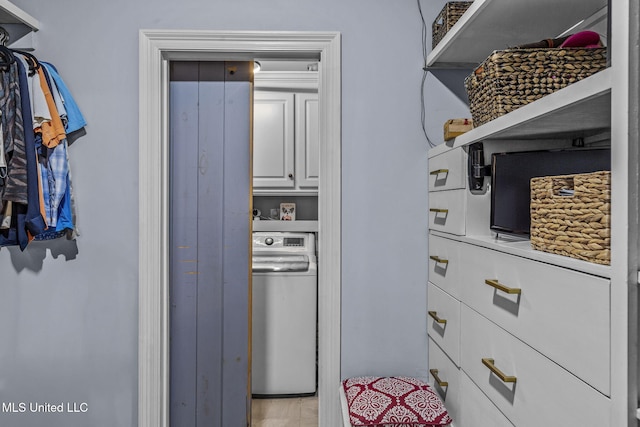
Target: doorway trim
x=157 y=48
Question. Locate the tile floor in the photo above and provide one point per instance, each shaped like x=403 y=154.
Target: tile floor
x=285 y=412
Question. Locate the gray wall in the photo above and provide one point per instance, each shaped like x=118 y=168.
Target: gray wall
x=68 y=310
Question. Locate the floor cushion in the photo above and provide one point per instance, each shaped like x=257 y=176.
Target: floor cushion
x=393 y=402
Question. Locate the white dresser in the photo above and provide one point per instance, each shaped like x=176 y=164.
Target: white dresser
x=517 y=336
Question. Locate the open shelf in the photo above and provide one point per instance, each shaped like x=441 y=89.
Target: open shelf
x=16 y=21
x=522 y=248
x=12 y=14
x=578 y=110
x=490 y=25
x=298 y=226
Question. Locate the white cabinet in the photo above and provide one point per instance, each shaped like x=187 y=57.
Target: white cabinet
x=447 y=171
x=562 y=328
x=445 y=264
x=444 y=321
x=307 y=150
x=285 y=140
x=447 y=211
x=273 y=140
x=534 y=390
x=478 y=410
x=537 y=303
x=444 y=377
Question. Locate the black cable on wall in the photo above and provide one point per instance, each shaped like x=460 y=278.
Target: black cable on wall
x=423 y=113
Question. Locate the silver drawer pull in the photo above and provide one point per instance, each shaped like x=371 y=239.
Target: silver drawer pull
x=439 y=260
x=505 y=378
x=439 y=171
x=434 y=374
x=439 y=210
x=434 y=314
x=495 y=284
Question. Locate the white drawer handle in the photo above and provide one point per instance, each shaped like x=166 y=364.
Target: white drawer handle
x=434 y=314
x=434 y=374
x=439 y=210
x=439 y=171
x=505 y=378
x=495 y=284
x=439 y=260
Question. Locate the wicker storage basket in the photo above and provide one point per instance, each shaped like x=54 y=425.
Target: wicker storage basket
x=509 y=79
x=448 y=16
x=575 y=225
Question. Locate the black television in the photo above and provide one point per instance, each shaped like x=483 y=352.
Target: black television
x=511 y=174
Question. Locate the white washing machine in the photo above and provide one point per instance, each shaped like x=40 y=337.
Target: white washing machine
x=284 y=313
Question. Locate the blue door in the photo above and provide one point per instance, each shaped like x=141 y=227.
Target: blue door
x=210 y=111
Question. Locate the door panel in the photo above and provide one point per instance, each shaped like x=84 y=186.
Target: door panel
x=183 y=254
x=308 y=154
x=237 y=252
x=210 y=245
x=273 y=141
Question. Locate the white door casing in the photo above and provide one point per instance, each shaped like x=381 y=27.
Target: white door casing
x=157 y=48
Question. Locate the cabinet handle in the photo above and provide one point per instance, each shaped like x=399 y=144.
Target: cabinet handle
x=290 y=176
x=434 y=374
x=505 y=378
x=439 y=260
x=495 y=284
x=439 y=171
x=434 y=314
x=439 y=210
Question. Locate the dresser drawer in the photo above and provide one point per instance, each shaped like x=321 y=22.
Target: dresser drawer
x=444 y=321
x=477 y=410
x=562 y=313
x=543 y=394
x=441 y=366
x=444 y=264
x=447 y=211
x=447 y=171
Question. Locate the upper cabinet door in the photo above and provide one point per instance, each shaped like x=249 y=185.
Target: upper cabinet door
x=273 y=140
x=307 y=148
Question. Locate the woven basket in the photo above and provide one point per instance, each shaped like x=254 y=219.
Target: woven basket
x=448 y=16
x=509 y=79
x=577 y=226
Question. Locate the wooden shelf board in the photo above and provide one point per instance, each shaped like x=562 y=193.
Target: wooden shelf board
x=11 y=14
x=490 y=25
x=523 y=249
x=291 y=226
x=579 y=110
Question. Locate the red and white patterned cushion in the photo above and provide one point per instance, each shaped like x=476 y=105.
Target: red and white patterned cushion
x=393 y=402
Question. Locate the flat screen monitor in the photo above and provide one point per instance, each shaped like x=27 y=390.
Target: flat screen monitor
x=511 y=174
